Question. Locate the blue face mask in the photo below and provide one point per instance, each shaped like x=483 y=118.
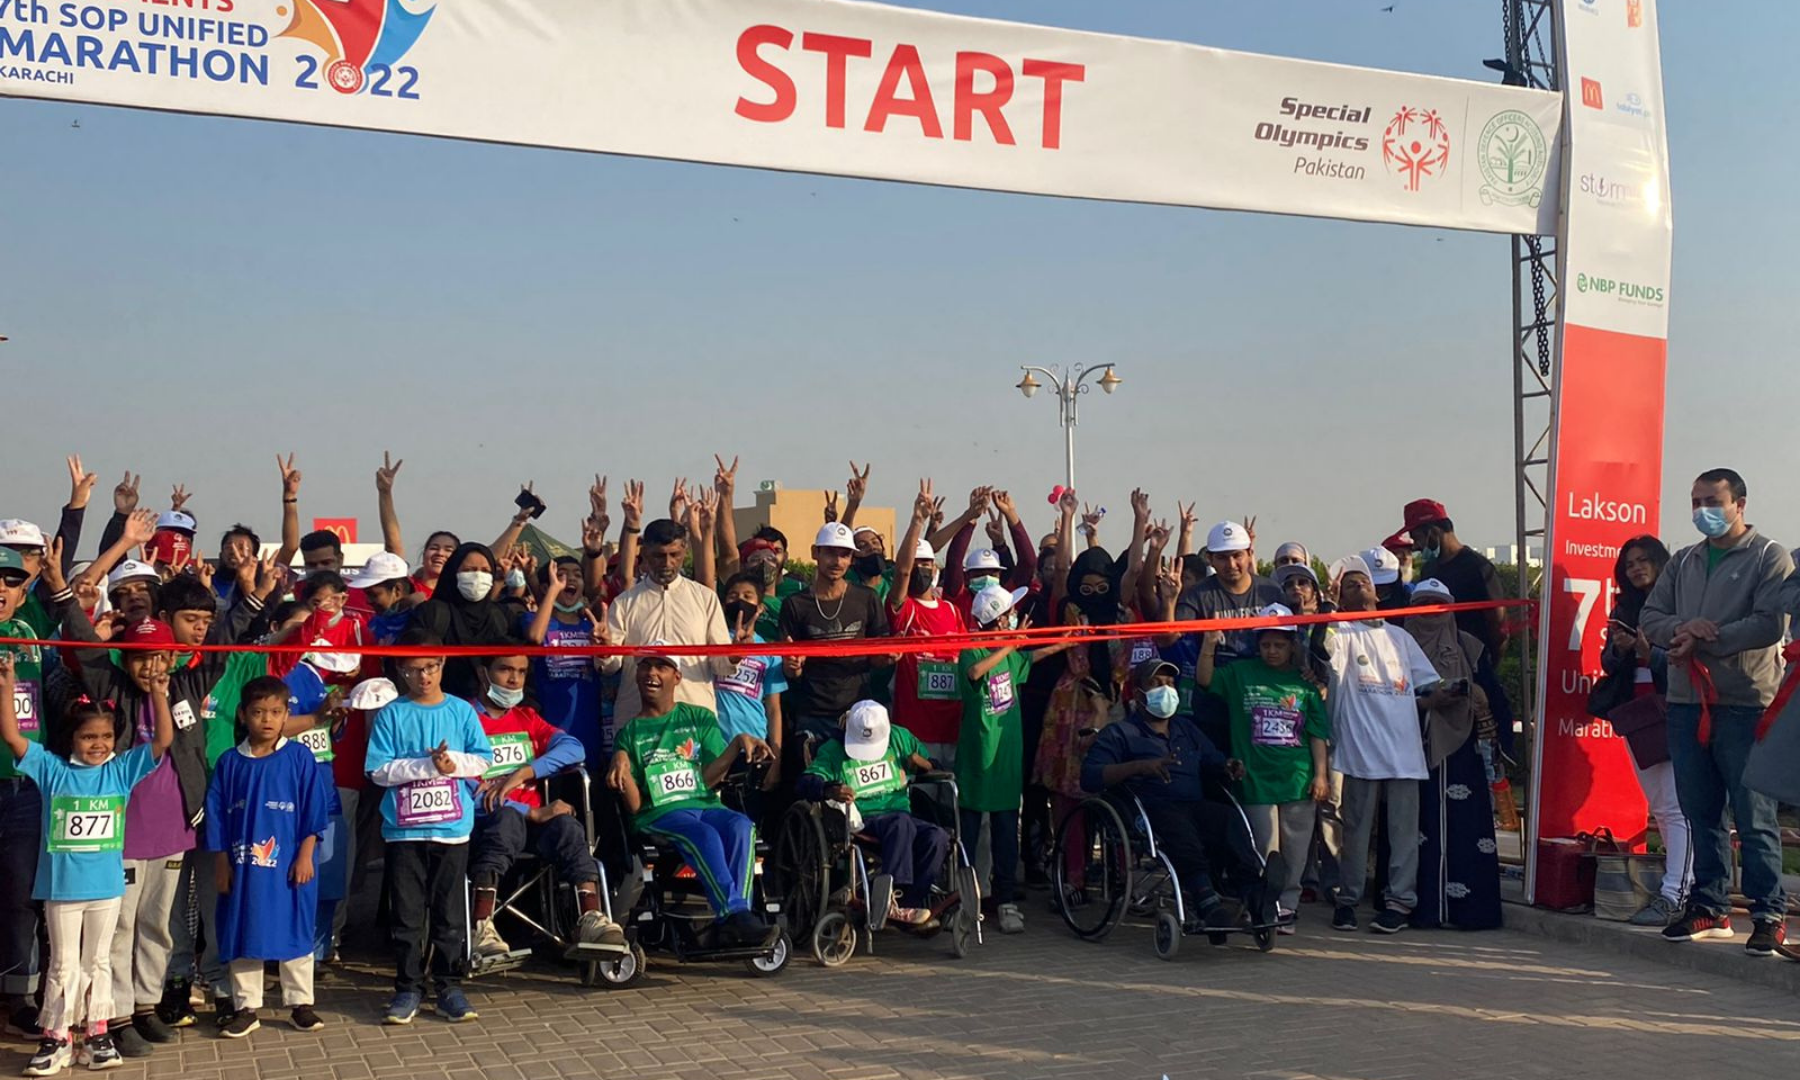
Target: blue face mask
x=1161 y=701
x=505 y=698
x=1712 y=522
x=976 y=584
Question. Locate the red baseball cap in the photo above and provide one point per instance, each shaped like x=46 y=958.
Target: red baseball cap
x=1423 y=512
x=150 y=632
x=1400 y=543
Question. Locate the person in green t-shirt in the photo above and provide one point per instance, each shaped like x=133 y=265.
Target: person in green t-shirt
x=667 y=764
x=990 y=753
x=867 y=768
x=1280 y=731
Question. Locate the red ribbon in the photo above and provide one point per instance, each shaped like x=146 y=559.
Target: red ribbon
x=1792 y=655
x=1031 y=638
x=1701 y=676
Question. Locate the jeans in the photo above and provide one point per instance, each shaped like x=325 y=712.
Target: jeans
x=1708 y=779
x=1004 y=840
x=502 y=836
x=186 y=962
x=21 y=837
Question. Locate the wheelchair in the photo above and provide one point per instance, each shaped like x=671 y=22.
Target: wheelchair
x=666 y=905
x=1126 y=872
x=823 y=874
x=533 y=895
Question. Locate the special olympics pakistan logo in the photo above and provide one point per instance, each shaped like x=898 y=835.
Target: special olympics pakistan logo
x=1513 y=158
x=1416 y=144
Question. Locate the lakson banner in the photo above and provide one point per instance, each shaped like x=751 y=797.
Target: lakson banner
x=860 y=89
x=1607 y=431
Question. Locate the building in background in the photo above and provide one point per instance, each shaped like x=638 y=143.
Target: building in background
x=798 y=514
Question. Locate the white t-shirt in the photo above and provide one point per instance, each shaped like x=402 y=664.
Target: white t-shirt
x=1377 y=670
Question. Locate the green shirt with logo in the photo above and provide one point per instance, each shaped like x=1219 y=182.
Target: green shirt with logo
x=1275 y=715
x=990 y=749
x=668 y=755
x=880 y=785
x=32 y=621
x=219 y=712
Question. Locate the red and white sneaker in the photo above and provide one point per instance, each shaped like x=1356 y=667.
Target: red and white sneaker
x=1767 y=938
x=1698 y=924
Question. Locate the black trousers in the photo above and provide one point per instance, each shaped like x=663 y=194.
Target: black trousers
x=1201 y=842
x=428 y=886
x=500 y=839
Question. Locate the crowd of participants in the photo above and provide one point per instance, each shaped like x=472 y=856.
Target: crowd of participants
x=173 y=819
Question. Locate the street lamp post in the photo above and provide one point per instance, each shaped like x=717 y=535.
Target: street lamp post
x=1069 y=385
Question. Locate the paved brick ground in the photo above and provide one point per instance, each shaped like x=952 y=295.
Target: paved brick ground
x=1324 y=1005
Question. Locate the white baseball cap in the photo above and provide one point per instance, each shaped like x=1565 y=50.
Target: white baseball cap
x=835 y=534
x=1227 y=536
x=866 y=728
x=993 y=602
x=1384 y=566
x=382 y=566
x=371 y=694
x=982 y=559
x=860 y=529
x=922 y=551
x=175 y=519
x=16 y=533
x=1351 y=564
x=1276 y=611
x=131 y=570
x=1432 y=587
x=335 y=663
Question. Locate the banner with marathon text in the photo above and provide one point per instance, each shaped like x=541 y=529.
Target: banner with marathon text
x=1607 y=432
x=826 y=86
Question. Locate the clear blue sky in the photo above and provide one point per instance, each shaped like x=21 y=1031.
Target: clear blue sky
x=186 y=296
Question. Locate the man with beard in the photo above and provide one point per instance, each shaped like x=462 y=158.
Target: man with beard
x=664 y=606
x=1232 y=591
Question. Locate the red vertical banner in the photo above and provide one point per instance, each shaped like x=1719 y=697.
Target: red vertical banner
x=1608 y=470
x=1607 y=427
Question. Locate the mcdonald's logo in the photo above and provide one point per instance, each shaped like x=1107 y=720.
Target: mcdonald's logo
x=1590 y=94
x=345 y=528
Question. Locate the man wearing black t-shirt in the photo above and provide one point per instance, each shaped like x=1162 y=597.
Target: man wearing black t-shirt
x=1471 y=579
x=832 y=608
x=1466 y=572
x=1234 y=591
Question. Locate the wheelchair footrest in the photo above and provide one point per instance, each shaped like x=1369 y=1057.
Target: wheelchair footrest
x=590 y=951
x=498 y=962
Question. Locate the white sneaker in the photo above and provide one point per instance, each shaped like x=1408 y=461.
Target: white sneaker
x=52 y=1057
x=595 y=928
x=1012 y=920
x=488 y=941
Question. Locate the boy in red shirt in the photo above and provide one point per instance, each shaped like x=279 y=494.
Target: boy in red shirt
x=510 y=813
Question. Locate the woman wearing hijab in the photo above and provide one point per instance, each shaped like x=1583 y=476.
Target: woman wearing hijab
x=1643 y=719
x=1086 y=696
x=462 y=611
x=1459 y=863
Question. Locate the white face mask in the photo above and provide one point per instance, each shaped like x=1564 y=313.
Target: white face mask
x=474 y=585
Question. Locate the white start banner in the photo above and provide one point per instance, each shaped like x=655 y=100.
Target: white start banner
x=826 y=86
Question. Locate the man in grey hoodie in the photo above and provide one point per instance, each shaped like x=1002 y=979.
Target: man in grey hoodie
x=1718 y=609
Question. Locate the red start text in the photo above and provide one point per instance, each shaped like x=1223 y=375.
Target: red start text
x=762 y=49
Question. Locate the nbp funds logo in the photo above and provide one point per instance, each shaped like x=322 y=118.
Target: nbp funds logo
x=361 y=40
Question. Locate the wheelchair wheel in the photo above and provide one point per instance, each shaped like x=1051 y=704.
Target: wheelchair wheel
x=798 y=870
x=1093 y=908
x=965 y=921
x=1265 y=938
x=1168 y=935
x=764 y=967
x=617 y=973
x=833 y=940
